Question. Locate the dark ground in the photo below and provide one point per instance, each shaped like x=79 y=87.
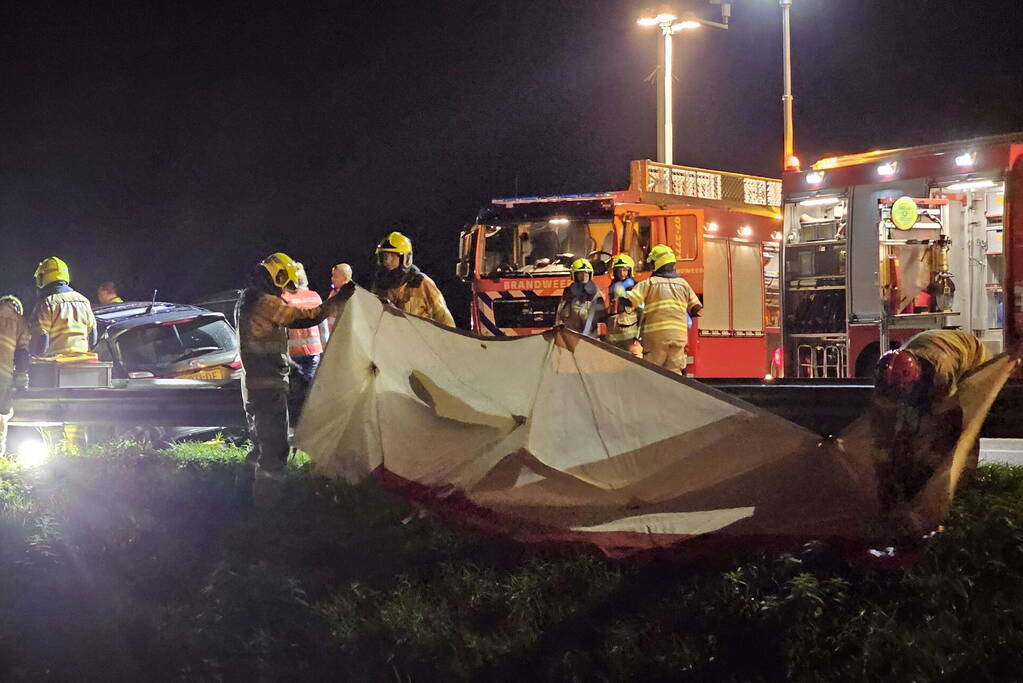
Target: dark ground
x=132 y=565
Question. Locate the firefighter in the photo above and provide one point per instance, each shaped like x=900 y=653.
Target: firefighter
x=582 y=303
x=62 y=323
x=667 y=302
x=262 y=319
x=913 y=424
x=623 y=320
x=106 y=293
x=404 y=285
x=14 y=359
x=305 y=344
x=63 y=328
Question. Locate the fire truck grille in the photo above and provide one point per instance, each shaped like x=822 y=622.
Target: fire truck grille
x=531 y=312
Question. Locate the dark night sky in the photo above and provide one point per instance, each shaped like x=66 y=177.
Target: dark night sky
x=172 y=145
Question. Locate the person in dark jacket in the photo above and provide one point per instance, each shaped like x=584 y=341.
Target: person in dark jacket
x=582 y=304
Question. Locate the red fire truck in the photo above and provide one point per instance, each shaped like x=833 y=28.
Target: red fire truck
x=881 y=245
x=724 y=228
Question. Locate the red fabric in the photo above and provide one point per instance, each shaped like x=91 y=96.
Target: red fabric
x=306 y=341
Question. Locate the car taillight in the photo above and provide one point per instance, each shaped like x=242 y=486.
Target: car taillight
x=235 y=364
x=141 y=375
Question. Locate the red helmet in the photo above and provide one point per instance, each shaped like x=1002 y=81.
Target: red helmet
x=901 y=372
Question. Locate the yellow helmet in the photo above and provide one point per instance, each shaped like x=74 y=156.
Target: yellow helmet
x=581 y=265
x=282 y=270
x=623 y=261
x=398 y=244
x=51 y=269
x=14 y=301
x=661 y=255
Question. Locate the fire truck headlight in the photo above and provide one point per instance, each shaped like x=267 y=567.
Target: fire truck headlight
x=966 y=159
x=32 y=453
x=887 y=169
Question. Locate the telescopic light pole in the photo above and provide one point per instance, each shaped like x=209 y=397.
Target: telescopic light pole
x=790 y=161
x=665 y=133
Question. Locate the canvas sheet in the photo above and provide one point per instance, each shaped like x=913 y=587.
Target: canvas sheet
x=556 y=437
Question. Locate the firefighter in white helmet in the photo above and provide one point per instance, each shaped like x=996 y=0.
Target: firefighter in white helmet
x=14 y=359
x=404 y=285
x=667 y=302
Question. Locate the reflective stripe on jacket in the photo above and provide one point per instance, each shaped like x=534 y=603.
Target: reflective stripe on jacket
x=665 y=302
x=14 y=337
x=306 y=341
x=67 y=318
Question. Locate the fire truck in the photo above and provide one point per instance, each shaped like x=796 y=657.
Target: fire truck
x=881 y=245
x=723 y=227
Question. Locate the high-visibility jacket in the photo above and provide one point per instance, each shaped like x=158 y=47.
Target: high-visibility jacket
x=66 y=316
x=305 y=341
x=623 y=320
x=262 y=321
x=419 y=295
x=953 y=353
x=666 y=302
x=14 y=340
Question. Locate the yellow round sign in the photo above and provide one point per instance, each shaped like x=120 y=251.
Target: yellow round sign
x=904 y=213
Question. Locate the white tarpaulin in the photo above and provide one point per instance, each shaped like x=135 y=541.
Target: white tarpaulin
x=555 y=437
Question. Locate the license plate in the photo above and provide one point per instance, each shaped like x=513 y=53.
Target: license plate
x=209 y=373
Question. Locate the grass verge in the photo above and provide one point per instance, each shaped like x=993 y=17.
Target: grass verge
x=128 y=563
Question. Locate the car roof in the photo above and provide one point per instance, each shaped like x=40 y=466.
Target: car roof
x=134 y=313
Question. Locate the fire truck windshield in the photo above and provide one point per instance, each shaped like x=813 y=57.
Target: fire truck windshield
x=544 y=247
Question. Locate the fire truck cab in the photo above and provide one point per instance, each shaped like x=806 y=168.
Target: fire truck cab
x=881 y=245
x=723 y=227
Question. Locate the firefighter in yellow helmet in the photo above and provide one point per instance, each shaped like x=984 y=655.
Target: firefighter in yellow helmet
x=263 y=319
x=62 y=323
x=582 y=303
x=404 y=285
x=667 y=302
x=623 y=320
x=14 y=359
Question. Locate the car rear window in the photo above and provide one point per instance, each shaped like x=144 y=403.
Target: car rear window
x=157 y=345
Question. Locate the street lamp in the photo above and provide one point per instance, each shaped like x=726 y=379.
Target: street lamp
x=670 y=25
x=790 y=160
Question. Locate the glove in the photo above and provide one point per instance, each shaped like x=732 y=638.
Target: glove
x=618 y=290
x=21 y=380
x=346 y=291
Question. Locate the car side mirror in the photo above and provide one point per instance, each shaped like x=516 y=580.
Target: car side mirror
x=462 y=270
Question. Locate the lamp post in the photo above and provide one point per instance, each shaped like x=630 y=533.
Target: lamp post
x=665 y=134
x=789 y=160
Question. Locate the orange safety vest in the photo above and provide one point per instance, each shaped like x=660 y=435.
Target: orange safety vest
x=305 y=341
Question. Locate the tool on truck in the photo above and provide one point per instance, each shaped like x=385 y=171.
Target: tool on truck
x=723 y=227
x=883 y=245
